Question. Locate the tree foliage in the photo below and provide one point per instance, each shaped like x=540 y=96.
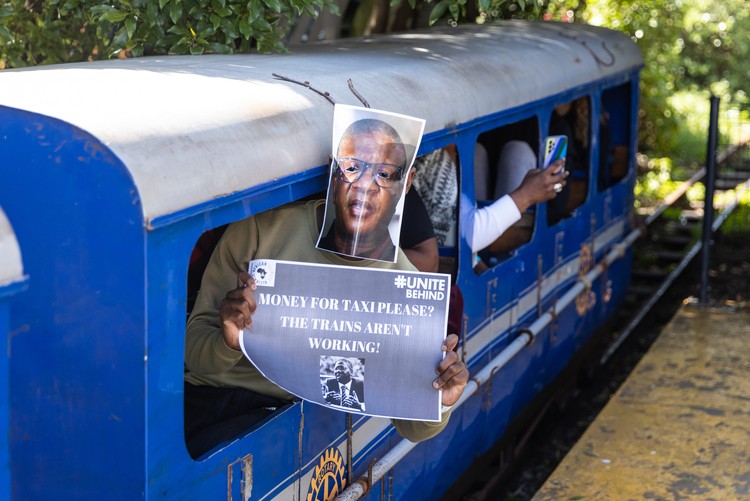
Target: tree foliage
x=39 y=32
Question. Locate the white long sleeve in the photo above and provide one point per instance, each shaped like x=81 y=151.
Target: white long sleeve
x=485 y=225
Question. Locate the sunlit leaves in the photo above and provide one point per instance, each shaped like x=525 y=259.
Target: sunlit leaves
x=76 y=30
x=438 y=11
x=44 y=33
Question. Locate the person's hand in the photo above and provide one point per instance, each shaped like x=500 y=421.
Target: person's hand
x=352 y=401
x=237 y=308
x=333 y=397
x=452 y=373
x=541 y=185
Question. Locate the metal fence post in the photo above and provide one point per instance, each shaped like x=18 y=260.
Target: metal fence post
x=708 y=202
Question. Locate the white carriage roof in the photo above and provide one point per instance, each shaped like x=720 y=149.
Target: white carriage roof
x=194 y=128
x=11 y=267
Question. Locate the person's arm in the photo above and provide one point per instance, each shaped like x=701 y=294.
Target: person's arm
x=417 y=238
x=212 y=334
x=539 y=185
x=488 y=223
x=424 y=255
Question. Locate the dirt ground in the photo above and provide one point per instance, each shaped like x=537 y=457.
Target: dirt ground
x=729 y=287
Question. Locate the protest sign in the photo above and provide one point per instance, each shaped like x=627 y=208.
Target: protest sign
x=353 y=338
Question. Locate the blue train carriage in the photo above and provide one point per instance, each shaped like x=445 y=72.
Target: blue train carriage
x=12 y=282
x=112 y=178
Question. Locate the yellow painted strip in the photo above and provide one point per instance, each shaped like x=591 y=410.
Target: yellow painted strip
x=678 y=428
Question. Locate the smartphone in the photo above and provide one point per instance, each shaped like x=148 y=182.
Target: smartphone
x=555 y=147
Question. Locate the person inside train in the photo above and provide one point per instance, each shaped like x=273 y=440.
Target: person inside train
x=224 y=393
x=436 y=180
x=418 y=239
x=573 y=119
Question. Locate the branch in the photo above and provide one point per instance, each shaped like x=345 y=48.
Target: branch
x=357 y=94
x=306 y=84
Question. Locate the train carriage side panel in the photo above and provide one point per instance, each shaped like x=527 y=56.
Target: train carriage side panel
x=77 y=358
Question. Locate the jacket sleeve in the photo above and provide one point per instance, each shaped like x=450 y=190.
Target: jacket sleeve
x=419 y=431
x=205 y=350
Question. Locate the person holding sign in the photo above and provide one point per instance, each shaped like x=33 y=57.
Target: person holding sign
x=224 y=392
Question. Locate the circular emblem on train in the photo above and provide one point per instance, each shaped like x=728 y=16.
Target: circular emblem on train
x=585 y=259
x=587 y=298
x=328 y=480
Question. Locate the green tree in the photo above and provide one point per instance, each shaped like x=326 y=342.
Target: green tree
x=715 y=49
x=38 y=32
x=690 y=47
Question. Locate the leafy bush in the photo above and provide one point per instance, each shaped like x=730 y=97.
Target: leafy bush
x=56 y=31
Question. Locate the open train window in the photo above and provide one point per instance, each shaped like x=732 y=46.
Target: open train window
x=503 y=157
x=213 y=414
x=436 y=180
x=572 y=119
x=614 y=135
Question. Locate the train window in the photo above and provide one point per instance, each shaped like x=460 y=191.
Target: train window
x=436 y=180
x=614 y=135
x=572 y=119
x=503 y=156
x=215 y=413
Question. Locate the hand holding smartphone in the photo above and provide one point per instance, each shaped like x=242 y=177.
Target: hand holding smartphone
x=555 y=147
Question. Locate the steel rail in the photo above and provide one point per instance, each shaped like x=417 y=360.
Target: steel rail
x=739 y=190
x=671 y=198
x=689 y=256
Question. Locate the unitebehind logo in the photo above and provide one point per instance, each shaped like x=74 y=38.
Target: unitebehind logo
x=421 y=287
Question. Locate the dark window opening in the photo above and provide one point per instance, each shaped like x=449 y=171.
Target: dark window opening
x=503 y=158
x=202 y=251
x=614 y=135
x=572 y=119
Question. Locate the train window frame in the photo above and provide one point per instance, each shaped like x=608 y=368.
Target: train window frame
x=576 y=192
x=525 y=128
x=310 y=184
x=448 y=251
x=199 y=255
x=615 y=134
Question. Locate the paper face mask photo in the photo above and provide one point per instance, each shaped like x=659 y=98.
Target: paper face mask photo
x=372 y=153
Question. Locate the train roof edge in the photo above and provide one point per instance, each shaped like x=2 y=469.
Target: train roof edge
x=167 y=117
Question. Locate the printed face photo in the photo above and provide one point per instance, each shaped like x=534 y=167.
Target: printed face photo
x=368 y=182
x=368 y=179
x=343 y=384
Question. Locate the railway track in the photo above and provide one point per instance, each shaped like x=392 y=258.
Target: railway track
x=673 y=239
x=670 y=243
